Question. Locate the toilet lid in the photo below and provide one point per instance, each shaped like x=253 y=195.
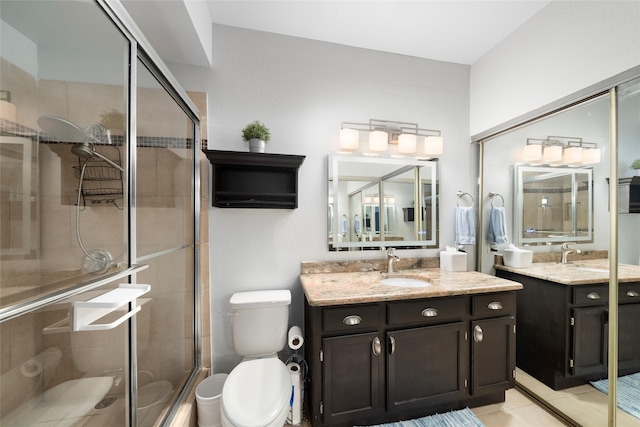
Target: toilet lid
x=256 y=391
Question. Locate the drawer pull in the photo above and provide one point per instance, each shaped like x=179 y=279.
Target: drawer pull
x=375 y=346
x=593 y=295
x=352 y=320
x=392 y=346
x=633 y=294
x=496 y=305
x=478 y=334
x=429 y=312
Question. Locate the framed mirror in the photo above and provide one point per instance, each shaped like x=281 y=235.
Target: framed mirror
x=553 y=205
x=372 y=203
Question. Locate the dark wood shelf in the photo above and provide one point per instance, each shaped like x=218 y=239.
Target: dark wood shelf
x=254 y=180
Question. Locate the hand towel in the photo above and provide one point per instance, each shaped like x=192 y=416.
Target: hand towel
x=497 y=226
x=465 y=225
x=356 y=226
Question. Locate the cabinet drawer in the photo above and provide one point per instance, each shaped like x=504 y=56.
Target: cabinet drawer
x=426 y=310
x=494 y=305
x=590 y=295
x=629 y=293
x=349 y=318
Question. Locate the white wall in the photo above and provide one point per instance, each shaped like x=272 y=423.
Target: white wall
x=565 y=47
x=302 y=90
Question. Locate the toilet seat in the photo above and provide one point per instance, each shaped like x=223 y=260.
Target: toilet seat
x=257 y=393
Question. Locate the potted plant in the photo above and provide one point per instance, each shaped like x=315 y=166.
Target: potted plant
x=257 y=134
x=635 y=165
x=114 y=121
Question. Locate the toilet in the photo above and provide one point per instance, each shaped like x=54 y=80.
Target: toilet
x=258 y=392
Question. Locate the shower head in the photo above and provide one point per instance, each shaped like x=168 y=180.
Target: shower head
x=87 y=151
x=84 y=150
x=67 y=131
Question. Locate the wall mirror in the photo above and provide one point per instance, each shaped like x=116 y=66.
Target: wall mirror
x=372 y=203
x=553 y=204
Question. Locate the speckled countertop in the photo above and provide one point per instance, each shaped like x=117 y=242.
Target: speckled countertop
x=322 y=289
x=577 y=272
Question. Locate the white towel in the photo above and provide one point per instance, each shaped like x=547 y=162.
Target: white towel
x=465 y=225
x=497 y=226
x=356 y=226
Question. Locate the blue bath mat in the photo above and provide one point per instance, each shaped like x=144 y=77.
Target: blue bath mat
x=627 y=393
x=462 y=418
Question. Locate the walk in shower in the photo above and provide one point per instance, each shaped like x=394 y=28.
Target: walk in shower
x=99 y=221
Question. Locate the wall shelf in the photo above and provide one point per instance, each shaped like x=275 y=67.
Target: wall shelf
x=628 y=194
x=254 y=180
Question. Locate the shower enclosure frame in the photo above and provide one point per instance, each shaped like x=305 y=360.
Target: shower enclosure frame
x=141 y=50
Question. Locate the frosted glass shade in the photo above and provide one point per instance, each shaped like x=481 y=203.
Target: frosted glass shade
x=433 y=145
x=572 y=155
x=591 y=156
x=552 y=154
x=349 y=139
x=532 y=153
x=407 y=143
x=378 y=140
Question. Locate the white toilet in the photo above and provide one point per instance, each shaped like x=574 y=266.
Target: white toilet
x=257 y=392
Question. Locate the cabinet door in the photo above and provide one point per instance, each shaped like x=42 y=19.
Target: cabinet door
x=351 y=376
x=588 y=354
x=493 y=355
x=426 y=366
x=628 y=339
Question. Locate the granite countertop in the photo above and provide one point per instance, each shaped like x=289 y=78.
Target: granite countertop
x=577 y=272
x=323 y=289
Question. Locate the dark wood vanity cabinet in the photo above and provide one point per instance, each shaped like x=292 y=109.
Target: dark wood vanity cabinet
x=563 y=330
x=373 y=363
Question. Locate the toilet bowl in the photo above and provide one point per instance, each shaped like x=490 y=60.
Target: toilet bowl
x=257 y=393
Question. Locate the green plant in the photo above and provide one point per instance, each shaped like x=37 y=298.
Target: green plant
x=635 y=164
x=256 y=130
x=112 y=119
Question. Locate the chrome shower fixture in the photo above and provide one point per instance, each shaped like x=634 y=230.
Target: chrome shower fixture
x=67 y=131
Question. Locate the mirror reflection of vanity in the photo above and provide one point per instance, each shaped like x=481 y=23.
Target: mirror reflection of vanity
x=553 y=205
x=372 y=203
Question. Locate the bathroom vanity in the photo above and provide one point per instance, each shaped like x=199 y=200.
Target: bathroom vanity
x=563 y=320
x=379 y=352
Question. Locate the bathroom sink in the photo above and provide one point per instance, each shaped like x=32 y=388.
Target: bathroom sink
x=405 y=282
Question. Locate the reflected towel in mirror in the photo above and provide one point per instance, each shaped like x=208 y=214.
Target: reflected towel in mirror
x=465 y=225
x=497 y=226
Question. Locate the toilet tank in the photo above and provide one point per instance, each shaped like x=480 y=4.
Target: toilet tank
x=259 y=322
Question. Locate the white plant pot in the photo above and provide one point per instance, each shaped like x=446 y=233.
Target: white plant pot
x=256 y=145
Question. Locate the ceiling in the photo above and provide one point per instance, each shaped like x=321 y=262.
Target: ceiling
x=452 y=31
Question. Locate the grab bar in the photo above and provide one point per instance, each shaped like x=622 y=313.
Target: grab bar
x=85 y=313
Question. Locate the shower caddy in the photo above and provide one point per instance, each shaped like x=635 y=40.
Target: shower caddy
x=101 y=182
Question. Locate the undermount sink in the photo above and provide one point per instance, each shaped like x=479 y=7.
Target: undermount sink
x=405 y=282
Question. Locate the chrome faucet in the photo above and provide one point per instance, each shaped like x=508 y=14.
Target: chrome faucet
x=566 y=250
x=391 y=257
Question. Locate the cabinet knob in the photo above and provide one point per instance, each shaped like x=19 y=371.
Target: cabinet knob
x=352 y=320
x=633 y=294
x=429 y=312
x=478 y=335
x=496 y=305
x=593 y=295
x=375 y=346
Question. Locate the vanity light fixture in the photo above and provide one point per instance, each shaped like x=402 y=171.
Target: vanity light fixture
x=384 y=134
x=561 y=151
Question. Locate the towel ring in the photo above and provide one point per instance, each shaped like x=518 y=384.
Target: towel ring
x=492 y=195
x=462 y=194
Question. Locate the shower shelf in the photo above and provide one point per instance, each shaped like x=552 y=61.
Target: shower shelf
x=85 y=313
x=100 y=181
